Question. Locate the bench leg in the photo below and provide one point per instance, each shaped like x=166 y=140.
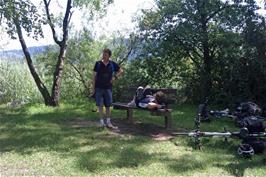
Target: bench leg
x=130 y=115
x=168 y=121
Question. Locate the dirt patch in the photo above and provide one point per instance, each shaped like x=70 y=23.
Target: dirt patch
x=153 y=131
x=143 y=129
x=80 y=123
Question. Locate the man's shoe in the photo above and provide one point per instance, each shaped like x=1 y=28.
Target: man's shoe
x=110 y=125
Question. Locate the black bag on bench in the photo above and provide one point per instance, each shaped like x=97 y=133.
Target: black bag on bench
x=253 y=124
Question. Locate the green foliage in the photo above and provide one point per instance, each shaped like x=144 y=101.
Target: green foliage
x=98 y=4
x=240 y=67
x=30 y=20
x=23 y=11
x=94 y=8
x=208 y=38
x=83 y=52
x=122 y=47
x=180 y=44
x=81 y=55
x=16 y=83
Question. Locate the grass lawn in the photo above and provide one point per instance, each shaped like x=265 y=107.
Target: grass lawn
x=36 y=140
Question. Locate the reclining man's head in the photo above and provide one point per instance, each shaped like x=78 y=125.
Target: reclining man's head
x=160 y=97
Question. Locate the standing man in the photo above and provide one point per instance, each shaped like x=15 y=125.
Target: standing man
x=104 y=75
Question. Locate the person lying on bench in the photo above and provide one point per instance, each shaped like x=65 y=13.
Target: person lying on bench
x=145 y=99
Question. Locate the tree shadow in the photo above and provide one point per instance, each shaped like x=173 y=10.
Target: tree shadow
x=96 y=150
x=231 y=162
x=24 y=133
x=238 y=168
x=186 y=163
x=112 y=157
x=131 y=156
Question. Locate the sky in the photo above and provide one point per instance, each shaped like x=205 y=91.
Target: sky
x=119 y=17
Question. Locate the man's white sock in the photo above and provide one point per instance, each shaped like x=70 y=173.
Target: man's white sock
x=102 y=121
x=108 y=120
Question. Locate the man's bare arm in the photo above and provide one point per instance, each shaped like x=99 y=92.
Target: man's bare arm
x=119 y=72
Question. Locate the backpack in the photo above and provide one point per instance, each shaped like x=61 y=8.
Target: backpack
x=98 y=66
x=252 y=123
x=263 y=114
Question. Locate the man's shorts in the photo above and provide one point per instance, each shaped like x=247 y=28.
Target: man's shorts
x=103 y=97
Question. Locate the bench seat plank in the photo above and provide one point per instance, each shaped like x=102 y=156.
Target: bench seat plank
x=119 y=105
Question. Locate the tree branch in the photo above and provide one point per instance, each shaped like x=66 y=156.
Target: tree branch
x=69 y=19
x=66 y=20
x=216 y=12
x=126 y=57
x=194 y=60
x=213 y=51
x=50 y=21
x=187 y=50
x=80 y=75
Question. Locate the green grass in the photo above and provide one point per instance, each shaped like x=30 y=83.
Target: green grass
x=36 y=141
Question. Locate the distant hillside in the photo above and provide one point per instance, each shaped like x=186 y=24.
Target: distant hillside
x=18 y=53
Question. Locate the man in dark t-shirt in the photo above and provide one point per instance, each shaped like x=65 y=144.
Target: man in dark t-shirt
x=104 y=75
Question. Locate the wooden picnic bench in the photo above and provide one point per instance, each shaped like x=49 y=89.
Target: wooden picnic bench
x=166 y=112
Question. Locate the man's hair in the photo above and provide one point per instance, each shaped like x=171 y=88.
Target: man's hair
x=107 y=51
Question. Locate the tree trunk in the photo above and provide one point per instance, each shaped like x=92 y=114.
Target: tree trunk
x=41 y=87
x=63 y=45
x=207 y=60
x=58 y=76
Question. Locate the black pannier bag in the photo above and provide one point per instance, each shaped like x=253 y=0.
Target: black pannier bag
x=252 y=123
x=263 y=114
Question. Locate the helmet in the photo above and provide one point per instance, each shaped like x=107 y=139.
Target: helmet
x=139 y=92
x=245 y=150
x=248 y=109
